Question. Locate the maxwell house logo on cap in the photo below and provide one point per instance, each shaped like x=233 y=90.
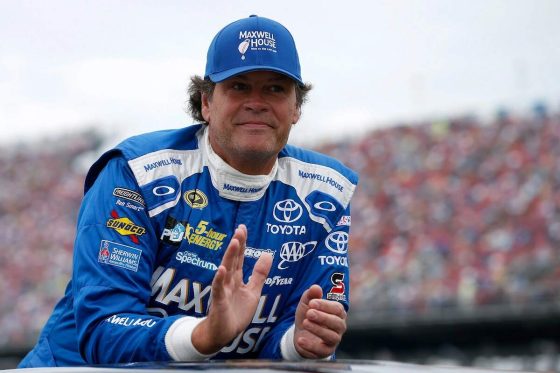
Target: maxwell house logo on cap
x=256 y=41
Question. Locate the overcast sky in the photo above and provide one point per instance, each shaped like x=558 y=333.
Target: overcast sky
x=123 y=65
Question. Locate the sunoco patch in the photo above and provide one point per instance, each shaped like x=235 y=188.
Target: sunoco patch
x=118 y=255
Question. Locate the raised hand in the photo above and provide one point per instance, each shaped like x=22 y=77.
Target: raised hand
x=319 y=325
x=233 y=303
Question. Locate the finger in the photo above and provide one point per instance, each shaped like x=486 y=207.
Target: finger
x=314 y=292
x=218 y=283
x=329 y=336
x=324 y=335
x=242 y=238
x=229 y=260
x=260 y=272
x=303 y=304
x=327 y=320
x=304 y=348
x=238 y=238
x=311 y=347
x=329 y=307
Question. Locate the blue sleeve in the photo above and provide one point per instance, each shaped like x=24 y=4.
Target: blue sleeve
x=114 y=257
x=326 y=266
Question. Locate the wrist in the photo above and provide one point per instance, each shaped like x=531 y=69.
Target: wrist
x=203 y=340
x=178 y=340
x=287 y=346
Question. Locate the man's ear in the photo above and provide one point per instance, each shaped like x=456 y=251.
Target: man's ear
x=297 y=115
x=205 y=107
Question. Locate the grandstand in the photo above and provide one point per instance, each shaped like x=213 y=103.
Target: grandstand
x=454 y=242
x=455 y=237
x=41 y=187
x=456 y=215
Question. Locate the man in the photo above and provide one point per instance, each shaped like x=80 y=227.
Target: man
x=217 y=240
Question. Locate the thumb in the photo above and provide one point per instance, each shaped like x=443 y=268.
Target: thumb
x=314 y=292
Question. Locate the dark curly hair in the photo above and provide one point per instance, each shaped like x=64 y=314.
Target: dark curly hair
x=198 y=86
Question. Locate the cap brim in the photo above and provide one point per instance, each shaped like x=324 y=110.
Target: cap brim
x=221 y=76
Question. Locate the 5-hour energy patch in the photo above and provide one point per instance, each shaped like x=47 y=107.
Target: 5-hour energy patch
x=206 y=237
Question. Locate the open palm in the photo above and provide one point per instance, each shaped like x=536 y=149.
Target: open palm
x=233 y=303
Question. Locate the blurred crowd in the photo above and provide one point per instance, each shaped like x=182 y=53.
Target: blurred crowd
x=459 y=214
x=452 y=214
x=41 y=186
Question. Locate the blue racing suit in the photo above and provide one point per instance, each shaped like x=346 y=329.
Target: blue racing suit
x=158 y=213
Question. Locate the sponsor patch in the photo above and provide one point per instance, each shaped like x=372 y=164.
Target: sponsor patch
x=175 y=231
x=285 y=229
x=251 y=252
x=161 y=191
x=161 y=163
x=287 y=211
x=278 y=281
x=322 y=178
x=195 y=260
x=129 y=194
x=241 y=189
x=118 y=255
x=325 y=206
x=337 y=242
x=337 y=292
x=293 y=251
x=206 y=236
x=125 y=227
x=252 y=40
x=130 y=321
x=332 y=260
x=129 y=205
x=202 y=235
x=344 y=220
x=196 y=199
x=185 y=294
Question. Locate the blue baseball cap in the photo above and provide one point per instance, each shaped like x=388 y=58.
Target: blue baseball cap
x=251 y=44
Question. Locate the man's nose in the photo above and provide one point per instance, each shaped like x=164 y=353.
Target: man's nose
x=256 y=101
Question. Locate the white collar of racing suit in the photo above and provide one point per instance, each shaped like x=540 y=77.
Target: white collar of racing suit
x=231 y=183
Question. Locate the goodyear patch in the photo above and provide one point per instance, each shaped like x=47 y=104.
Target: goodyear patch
x=119 y=255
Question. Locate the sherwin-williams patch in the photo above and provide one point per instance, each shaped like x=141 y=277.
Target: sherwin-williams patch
x=118 y=255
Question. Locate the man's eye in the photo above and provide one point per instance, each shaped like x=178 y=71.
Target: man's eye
x=277 y=88
x=239 y=86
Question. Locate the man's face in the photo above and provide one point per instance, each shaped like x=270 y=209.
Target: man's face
x=250 y=117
